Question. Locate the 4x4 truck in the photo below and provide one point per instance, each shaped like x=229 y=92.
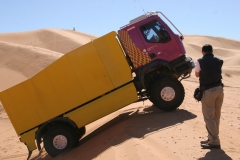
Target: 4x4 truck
x=144 y=60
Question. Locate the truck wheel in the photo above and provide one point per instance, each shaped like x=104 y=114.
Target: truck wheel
x=60 y=138
x=167 y=93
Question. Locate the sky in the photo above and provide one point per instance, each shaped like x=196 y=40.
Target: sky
x=220 y=18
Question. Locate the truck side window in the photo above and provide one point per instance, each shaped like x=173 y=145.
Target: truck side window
x=154 y=32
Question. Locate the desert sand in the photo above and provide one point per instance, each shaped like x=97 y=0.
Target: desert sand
x=138 y=131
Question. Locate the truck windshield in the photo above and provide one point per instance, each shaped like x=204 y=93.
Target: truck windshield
x=154 y=32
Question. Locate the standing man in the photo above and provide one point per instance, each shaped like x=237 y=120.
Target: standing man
x=209 y=69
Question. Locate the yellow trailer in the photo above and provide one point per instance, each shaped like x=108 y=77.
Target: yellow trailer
x=82 y=86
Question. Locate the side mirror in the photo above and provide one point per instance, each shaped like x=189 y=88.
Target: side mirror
x=181 y=37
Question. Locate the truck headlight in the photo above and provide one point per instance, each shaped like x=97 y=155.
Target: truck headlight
x=187 y=59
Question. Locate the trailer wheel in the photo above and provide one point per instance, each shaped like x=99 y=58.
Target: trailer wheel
x=167 y=94
x=60 y=138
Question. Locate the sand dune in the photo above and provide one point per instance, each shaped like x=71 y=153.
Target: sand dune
x=227 y=49
x=138 y=131
x=218 y=42
x=61 y=41
x=22 y=55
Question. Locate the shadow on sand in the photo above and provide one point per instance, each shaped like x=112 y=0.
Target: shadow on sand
x=216 y=154
x=132 y=124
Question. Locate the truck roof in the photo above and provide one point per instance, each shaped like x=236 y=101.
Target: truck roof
x=142 y=17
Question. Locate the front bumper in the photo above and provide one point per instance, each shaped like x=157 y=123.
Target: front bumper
x=182 y=65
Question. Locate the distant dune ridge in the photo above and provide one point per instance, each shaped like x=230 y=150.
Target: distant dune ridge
x=61 y=41
x=144 y=132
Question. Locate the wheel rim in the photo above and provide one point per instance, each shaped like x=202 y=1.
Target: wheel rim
x=167 y=93
x=60 y=142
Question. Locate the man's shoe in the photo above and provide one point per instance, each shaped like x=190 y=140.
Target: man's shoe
x=204 y=142
x=209 y=146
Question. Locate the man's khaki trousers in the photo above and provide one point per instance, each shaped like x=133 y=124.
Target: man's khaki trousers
x=211 y=108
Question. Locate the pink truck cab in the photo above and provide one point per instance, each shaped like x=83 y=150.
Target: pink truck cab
x=157 y=57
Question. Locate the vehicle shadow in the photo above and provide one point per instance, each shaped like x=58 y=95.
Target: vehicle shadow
x=216 y=154
x=132 y=124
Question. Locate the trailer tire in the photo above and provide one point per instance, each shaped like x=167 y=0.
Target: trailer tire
x=60 y=138
x=167 y=93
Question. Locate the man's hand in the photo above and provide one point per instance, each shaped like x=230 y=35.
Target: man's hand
x=196 y=74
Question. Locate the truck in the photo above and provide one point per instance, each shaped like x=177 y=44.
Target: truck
x=144 y=60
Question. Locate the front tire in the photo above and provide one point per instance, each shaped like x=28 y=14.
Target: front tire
x=167 y=94
x=60 y=138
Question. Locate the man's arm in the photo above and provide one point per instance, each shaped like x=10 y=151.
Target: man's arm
x=197 y=69
x=196 y=74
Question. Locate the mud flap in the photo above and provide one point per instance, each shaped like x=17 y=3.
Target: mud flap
x=29 y=140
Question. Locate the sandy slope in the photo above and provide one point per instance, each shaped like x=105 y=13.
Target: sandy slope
x=138 y=131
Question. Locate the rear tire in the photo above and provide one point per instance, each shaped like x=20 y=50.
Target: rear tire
x=60 y=138
x=167 y=93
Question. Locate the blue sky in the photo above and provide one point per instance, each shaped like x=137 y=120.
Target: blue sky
x=201 y=17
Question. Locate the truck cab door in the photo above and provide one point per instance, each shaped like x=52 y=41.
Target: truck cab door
x=159 y=41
